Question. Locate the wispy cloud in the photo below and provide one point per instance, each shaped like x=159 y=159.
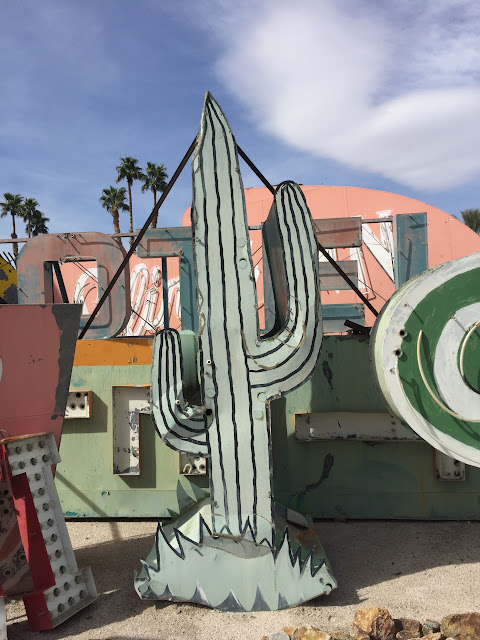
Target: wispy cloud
x=392 y=88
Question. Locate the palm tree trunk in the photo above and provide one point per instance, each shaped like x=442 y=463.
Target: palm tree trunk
x=116 y=225
x=154 y=221
x=14 y=236
x=130 y=208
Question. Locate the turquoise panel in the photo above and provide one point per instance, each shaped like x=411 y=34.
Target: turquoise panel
x=353 y=479
x=411 y=247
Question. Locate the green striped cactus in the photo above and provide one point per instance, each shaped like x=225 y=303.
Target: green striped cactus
x=240 y=372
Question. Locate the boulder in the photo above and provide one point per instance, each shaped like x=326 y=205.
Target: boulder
x=310 y=633
x=408 y=626
x=373 y=622
x=430 y=626
x=461 y=626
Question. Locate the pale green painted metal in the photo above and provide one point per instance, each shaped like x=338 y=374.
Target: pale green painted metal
x=85 y=481
x=353 y=479
x=241 y=562
x=387 y=480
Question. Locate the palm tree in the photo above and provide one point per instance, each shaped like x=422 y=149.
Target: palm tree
x=471 y=218
x=129 y=170
x=39 y=225
x=155 y=179
x=12 y=206
x=36 y=222
x=113 y=200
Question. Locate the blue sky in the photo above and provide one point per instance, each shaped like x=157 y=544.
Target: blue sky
x=364 y=93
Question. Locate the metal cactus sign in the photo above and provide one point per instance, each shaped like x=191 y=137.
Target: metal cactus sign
x=233 y=552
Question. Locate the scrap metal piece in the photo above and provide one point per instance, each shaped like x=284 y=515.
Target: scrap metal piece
x=339 y=232
x=245 y=560
x=60 y=589
x=40 y=366
x=411 y=246
x=8 y=282
x=345 y=425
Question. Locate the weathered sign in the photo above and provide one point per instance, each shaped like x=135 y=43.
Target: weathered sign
x=426 y=345
x=233 y=552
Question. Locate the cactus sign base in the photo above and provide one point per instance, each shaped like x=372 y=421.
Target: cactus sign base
x=189 y=563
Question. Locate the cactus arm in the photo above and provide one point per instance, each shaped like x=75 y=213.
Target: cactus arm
x=280 y=362
x=179 y=425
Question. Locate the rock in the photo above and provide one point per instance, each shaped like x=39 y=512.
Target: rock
x=430 y=626
x=408 y=626
x=279 y=636
x=373 y=622
x=341 y=636
x=289 y=631
x=434 y=636
x=310 y=633
x=461 y=626
x=405 y=635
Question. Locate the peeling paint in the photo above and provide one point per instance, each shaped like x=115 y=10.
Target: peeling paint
x=327 y=372
x=327 y=467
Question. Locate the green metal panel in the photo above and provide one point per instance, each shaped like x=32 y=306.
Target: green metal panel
x=85 y=481
x=387 y=480
x=358 y=479
x=411 y=247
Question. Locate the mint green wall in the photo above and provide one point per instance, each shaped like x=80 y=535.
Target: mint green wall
x=366 y=480
x=84 y=478
x=388 y=480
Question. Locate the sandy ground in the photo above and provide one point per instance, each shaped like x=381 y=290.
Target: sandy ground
x=415 y=569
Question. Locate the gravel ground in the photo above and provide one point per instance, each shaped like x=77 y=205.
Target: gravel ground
x=414 y=569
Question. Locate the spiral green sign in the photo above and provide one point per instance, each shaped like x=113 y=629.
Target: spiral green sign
x=426 y=356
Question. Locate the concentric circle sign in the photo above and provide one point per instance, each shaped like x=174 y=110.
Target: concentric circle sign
x=426 y=356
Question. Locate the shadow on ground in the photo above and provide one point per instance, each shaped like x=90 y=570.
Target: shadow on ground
x=371 y=552
x=361 y=554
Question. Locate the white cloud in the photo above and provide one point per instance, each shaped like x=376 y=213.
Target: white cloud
x=392 y=88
